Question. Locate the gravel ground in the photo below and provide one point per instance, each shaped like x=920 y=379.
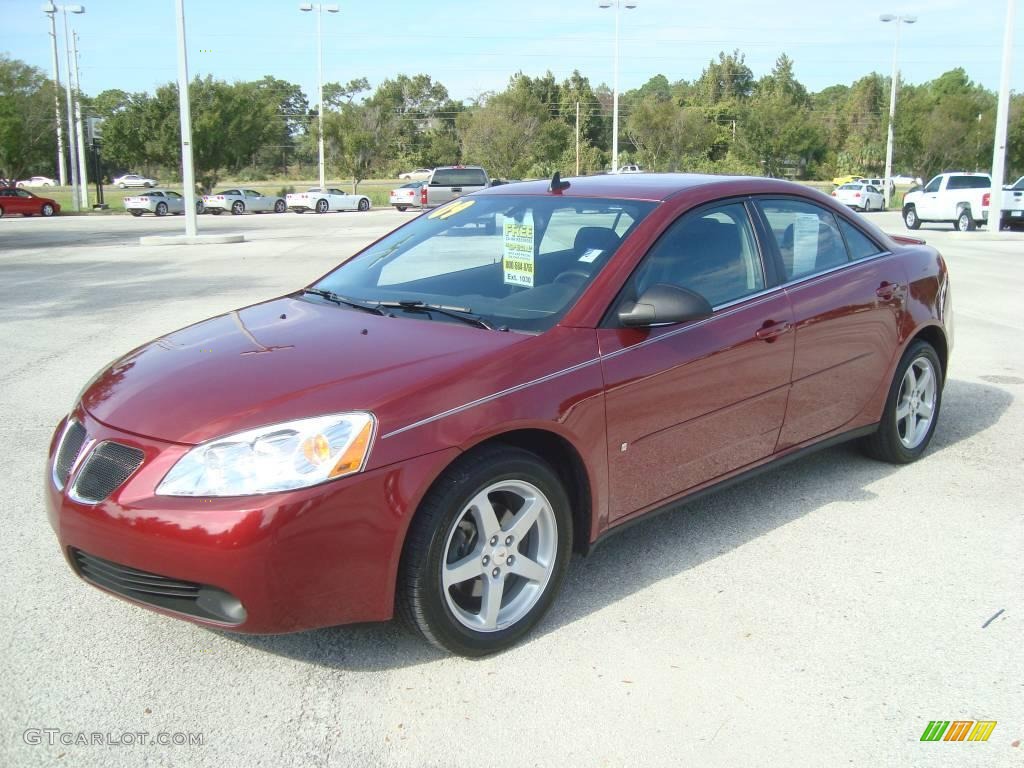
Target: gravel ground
x=820 y=614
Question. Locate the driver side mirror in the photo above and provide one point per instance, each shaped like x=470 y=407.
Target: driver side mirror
x=664 y=304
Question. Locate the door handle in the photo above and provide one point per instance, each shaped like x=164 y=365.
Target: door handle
x=771 y=330
x=888 y=291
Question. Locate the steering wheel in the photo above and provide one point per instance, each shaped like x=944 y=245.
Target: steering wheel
x=571 y=276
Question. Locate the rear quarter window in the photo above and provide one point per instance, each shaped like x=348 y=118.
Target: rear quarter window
x=458 y=177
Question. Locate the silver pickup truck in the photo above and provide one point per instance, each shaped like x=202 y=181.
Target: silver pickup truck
x=451 y=181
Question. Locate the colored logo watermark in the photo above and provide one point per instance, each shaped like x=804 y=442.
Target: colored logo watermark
x=958 y=730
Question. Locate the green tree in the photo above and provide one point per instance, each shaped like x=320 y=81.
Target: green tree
x=27 y=121
x=668 y=137
x=356 y=138
x=501 y=135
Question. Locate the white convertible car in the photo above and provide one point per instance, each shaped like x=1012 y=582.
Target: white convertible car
x=158 y=201
x=324 y=200
x=238 y=201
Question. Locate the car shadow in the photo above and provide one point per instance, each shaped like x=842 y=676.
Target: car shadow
x=665 y=545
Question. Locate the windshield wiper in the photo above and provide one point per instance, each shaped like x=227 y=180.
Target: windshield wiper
x=459 y=313
x=332 y=296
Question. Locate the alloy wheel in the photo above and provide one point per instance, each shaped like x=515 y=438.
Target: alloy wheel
x=499 y=556
x=916 y=402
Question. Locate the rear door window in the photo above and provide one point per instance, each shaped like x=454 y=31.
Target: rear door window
x=807 y=236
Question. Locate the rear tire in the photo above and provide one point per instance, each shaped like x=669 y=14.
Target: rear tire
x=280 y=207
x=237 y=208
x=161 y=209
x=910 y=218
x=470 y=517
x=964 y=221
x=322 y=206
x=911 y=408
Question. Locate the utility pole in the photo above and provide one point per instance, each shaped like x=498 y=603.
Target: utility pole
x=1002 y=117
x=51 y=10
x=188 y=175
x=83 y=176
x=75 y=197
x=577 y=138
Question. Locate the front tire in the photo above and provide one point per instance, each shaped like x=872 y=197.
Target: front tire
x=280 y=207
x=47 y=210
x=910 y=218
x=911 y=409
x=486 y=552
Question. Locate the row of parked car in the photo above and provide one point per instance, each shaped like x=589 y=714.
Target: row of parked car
x=237 y=201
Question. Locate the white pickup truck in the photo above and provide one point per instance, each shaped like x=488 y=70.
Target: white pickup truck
x=960 y=198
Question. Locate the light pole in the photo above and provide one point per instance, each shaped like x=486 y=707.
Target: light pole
x=618 y=5
x=83 y=176
x=75 y=194
x=51 y=10
x=887 y=17
x=320 y=8
x=1002 y=117
x=188 y=174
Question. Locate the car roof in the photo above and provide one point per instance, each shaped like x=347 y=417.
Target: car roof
x=651 y=186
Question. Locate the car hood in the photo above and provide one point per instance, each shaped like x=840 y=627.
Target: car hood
x=284 y=359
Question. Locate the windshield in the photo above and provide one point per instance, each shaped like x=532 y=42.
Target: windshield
x=517 y=262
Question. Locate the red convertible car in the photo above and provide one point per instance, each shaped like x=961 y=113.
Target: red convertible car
x=435 y=426
x=17 y=200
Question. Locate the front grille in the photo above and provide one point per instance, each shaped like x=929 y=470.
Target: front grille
x=186 y=597
x=67 y=452
x=109 y=465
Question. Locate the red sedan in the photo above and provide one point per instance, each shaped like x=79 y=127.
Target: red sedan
x=17 y=200
x=435 y=426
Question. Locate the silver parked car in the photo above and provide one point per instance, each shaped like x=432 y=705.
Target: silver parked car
x=238 y=201
x=133 y=180
x=158 y=201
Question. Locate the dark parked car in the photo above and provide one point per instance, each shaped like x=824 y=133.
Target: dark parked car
x=18 y=200
x=435 y=426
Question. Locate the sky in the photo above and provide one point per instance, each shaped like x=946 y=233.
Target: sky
x=474 y=47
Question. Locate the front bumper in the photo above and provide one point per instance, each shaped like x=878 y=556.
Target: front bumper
x=298 y=560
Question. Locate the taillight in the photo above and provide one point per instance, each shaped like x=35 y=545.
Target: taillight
x=986 y=198
x=423 y=195
x=856 y=194
x=833 y=193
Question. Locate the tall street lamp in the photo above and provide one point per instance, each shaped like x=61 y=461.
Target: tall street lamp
x=887 y=17
x=1002 y=117
x=618 y=5
x=75 y=193
x=51 y=10
x=83 y=176
x=320 y=8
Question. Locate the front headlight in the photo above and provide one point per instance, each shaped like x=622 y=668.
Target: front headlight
x=278 y=457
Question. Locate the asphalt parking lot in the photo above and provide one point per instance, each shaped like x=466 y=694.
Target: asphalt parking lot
x=821 y=614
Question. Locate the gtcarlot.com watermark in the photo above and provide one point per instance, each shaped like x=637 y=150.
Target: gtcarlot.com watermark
x=54 y=736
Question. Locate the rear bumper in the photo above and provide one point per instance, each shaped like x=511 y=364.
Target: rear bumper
x=315 y=557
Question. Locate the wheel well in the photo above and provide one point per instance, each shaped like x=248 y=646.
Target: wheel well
x=565 y=460
x=934 y=336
